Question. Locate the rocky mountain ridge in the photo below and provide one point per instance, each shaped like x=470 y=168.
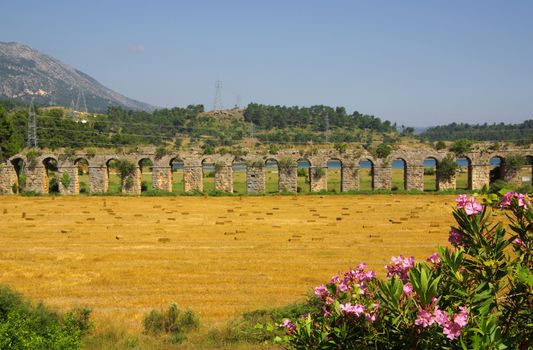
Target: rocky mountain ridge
x=27 y=74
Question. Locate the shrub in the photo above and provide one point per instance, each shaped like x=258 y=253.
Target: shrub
x=440 y=145
x=65 y=180
x=461 y=146
x=476 y=295
x=429 y=171
x=286 y=164
x=173 y=322
x=83 y=187
x=302 y=172
x=447 y=168
x=25 y=326
x=32 y=156
x=514 y=162
x=160 y=152
x=383 y=151
x=126 y=169
x=53 y=184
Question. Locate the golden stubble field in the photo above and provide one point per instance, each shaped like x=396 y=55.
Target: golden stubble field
x=220 y=256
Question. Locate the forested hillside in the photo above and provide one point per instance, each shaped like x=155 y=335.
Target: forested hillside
x=521 y=133
x=58 y=127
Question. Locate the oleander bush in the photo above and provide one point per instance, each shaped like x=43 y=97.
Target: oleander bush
x=475 y=295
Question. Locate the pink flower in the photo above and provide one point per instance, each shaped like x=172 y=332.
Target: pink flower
x=452 y=330
x=321 y=291
x=462 y=317
x=441 y=317
x=343 y=287
x=455 y=238
x=473 y=207
x=407 y=288
x=424 y=319
x=461 y=201
x=348 y=309
x=519 y=243
x=370 y=317
x=470 y=206
x=361 y=266
x=335 y=279
x=399 y=267
x=289 y=326
x=327 y=313
x=434 y=258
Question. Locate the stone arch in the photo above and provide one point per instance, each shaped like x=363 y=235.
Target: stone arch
x=335 y=170
x=50 y=180
x=463 y=177
x=303 y=173
x=113 y=183
x=366 y=174
x=399 y=174
x=176 y=174
x=81 y=176
x=497 y=168
x=18 y=180
x=208 y=174
x=271 y=170
x=239 y=176
x=145 y=166
x=430 y=165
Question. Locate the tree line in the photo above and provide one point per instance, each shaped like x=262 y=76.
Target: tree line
x=520 y=133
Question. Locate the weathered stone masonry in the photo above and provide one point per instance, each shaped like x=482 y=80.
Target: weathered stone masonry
x=36 y=176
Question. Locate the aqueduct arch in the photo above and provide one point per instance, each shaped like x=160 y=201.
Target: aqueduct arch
x=33 y=170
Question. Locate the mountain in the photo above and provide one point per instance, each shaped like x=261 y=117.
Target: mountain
x=26 y=73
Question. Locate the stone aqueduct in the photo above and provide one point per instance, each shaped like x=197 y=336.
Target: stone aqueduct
x=413 y=157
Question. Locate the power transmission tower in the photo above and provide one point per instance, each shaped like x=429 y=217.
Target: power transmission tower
x=217 y=105
x=238 y=101
x=32 y=127
x=251 y=129
x=81 y=99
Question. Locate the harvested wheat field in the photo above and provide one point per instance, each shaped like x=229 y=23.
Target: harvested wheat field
x=221 y=256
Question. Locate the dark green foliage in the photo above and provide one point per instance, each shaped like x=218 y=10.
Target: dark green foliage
x=440 y=145
x=383 y=151
x=24 y=326
x=446 y=168
x=522 y=133
x=514 y=162
x=173 y=322
x=429 y=171
x=259 y=326
x=65 y=180
x=461 y=146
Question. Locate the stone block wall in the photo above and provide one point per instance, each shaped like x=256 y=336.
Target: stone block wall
x=414 y=177
x=255 y=179
x=192 y=178
x=288 y=179
x=162 y=178
x=349 y=178
x=73 y=187
x=8 y=178
x=98 y=179
x=445 y=184
x=224 y=179
x=480 y=176
x=382 y=177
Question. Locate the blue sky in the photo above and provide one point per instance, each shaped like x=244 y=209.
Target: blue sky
x=416 y=63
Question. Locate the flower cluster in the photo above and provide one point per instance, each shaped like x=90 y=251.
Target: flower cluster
x=469 y=204
x=289 y=326
x=451 y=324
x=352 y=284
x=434 y=258
x=400 y=266
x=455 y=238
x=522 y=200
